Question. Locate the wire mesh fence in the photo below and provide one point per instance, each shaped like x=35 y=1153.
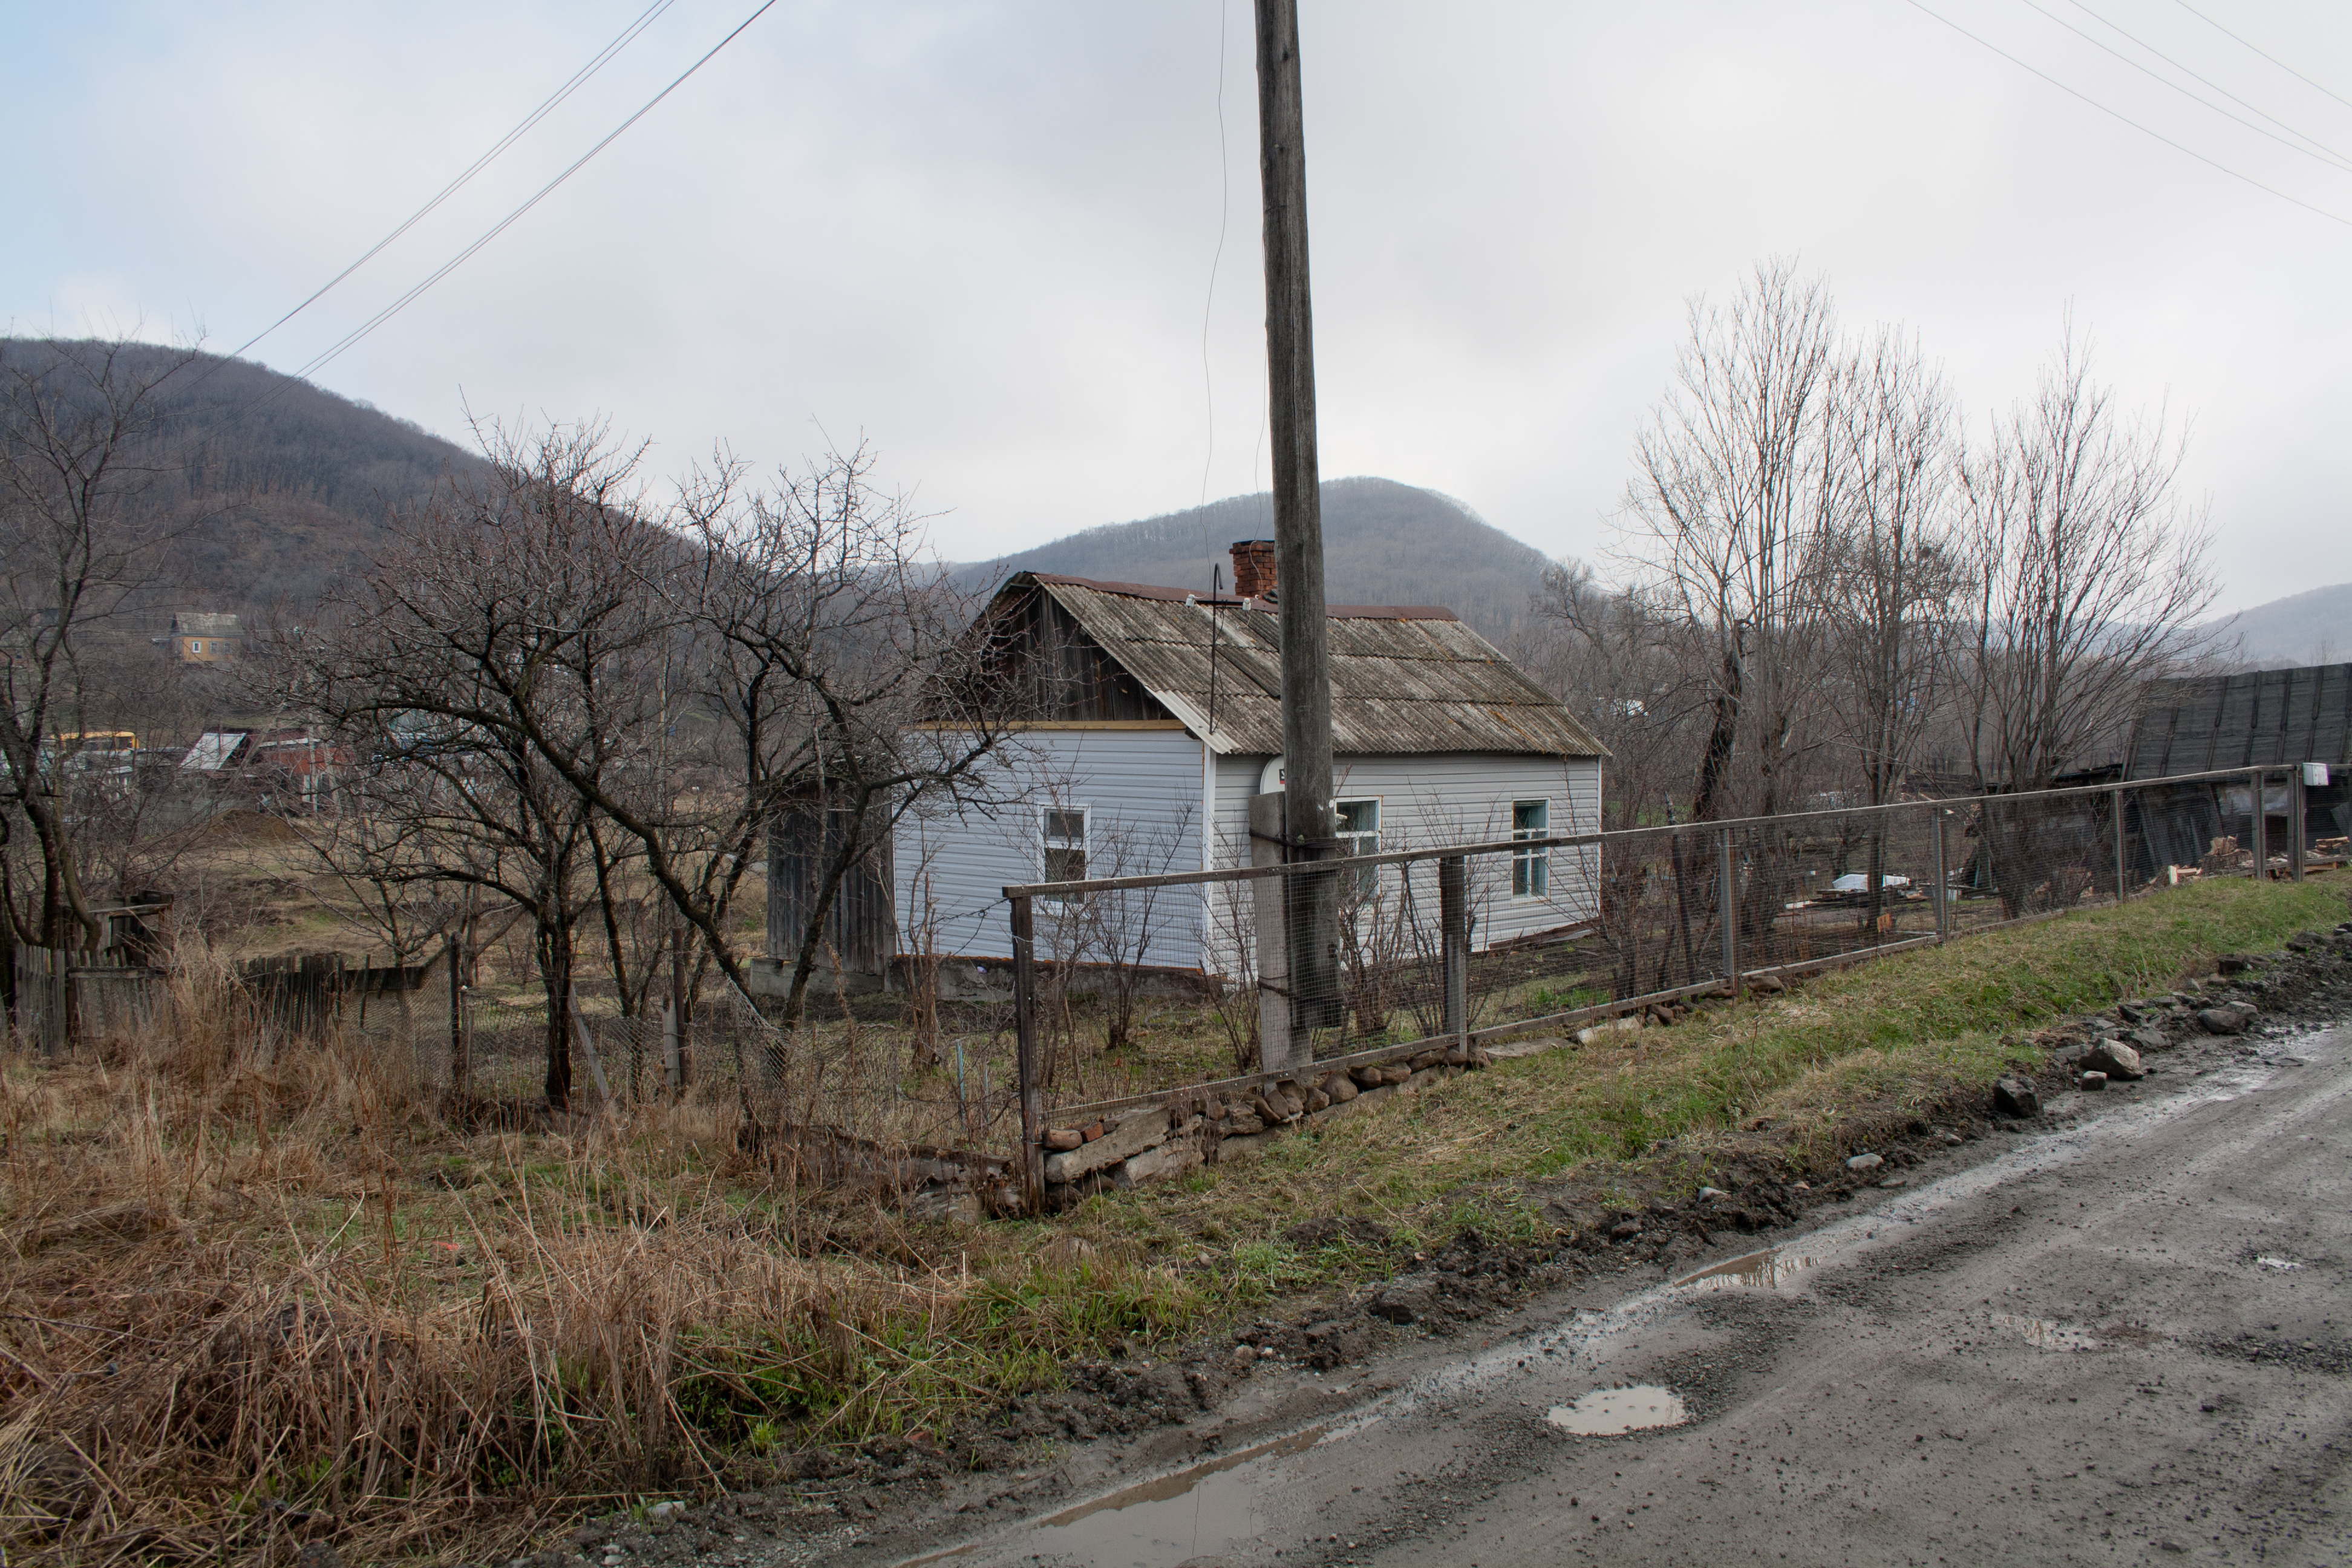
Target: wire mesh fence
x=1402 y=961
x=1424 y=952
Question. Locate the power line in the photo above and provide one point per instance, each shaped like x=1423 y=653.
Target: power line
x=2333 y=159
x=373 y=323
x=1224 y=214
x=2095 y=103
x=602 y=57
x=2282 y=65
x=2209 y=81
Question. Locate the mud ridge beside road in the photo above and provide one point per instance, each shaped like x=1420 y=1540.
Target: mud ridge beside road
x=1613 y=1231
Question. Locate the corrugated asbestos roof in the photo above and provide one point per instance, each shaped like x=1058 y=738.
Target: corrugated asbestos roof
x=1405 y=679
x=2197 y=723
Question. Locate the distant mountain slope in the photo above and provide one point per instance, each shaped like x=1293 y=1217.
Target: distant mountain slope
x=1384 y=544
x=2313 y=627
x=294 y=481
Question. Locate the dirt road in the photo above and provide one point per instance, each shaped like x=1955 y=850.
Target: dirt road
x=2130 y=1342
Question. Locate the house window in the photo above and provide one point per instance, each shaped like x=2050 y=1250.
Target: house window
x=1531 y=869
x=1360 y=834
x=1066 y=843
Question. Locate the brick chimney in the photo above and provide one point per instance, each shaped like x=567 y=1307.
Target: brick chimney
x=1253 y=568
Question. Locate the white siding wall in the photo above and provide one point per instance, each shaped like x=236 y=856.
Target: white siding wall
x=1428 y=801
x=1141 y=789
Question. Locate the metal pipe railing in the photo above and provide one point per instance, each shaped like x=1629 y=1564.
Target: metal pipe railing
x=1582 y=840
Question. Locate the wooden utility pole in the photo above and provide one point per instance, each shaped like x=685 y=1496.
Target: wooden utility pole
x=1297 y=520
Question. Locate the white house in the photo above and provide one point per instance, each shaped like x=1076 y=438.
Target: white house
x=1163 y=718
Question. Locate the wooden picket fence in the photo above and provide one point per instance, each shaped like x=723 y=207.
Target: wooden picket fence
x=63 y=997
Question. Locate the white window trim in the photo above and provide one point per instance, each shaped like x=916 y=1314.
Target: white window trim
x=1366 y=879
x=1045 y=841
x=1541 y=855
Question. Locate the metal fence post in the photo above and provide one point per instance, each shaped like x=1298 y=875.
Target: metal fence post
x=1730 y=912
x=674 y=1046
x=1025 y=1026
x=1943 y=880
x=1453 y=921
x=671 y=1074
x=458 y=1064
x=2262 y=829
x=61 y=1019
x=2295 y=809
x=2120 y=886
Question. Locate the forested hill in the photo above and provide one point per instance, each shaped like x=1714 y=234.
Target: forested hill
x=2310 y=628
x=293 y=481
x=1384 y=544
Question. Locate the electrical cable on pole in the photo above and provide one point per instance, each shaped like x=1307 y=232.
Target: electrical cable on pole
x=2127 y=119
x=2206 y=80
x=547 y=106
x=2326 y=154
x=353 y=338
x=602 y=57
x=2316 y=87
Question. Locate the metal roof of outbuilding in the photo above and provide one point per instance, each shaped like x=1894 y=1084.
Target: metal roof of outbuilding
x=1405 y=679
x=2201 y=722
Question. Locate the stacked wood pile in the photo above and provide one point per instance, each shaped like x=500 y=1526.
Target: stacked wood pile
x=1213 y=1126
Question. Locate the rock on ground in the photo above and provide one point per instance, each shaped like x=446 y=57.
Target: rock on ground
x=2115 y=1060
x=2015 y=1096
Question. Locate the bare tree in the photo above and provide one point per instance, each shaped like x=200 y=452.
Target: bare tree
x=1733 y=496
x=1628 y=672
x=84 y=460
x=848 y=677
x=2088 y=573
x=383 y=865
x=1892 y=572
x=491 y=667
x=1121 y=927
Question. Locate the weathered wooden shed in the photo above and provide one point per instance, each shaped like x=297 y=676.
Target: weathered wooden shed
x=860 y=936
x=2269 y=718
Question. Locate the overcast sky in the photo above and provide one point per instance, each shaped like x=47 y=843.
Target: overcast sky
x=983 y=234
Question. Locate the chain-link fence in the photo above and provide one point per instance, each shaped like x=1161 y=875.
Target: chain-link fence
x=1399 y=967
x=1002 y=1081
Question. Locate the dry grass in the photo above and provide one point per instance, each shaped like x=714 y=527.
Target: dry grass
x=257 y=1294
x=254 y=1294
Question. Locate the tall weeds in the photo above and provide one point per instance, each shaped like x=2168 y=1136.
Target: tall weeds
x=257 y=1291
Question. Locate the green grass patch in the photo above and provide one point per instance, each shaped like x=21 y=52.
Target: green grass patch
x=1847 y=1047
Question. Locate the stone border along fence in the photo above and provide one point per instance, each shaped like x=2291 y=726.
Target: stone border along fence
x=1714 y=897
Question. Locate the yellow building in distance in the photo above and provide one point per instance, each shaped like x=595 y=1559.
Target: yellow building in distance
x=200 y=636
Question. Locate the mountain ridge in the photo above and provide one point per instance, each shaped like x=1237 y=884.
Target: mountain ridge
x=2313 y=626
x=289 y=484
x=293 y=486
x=1384 y=543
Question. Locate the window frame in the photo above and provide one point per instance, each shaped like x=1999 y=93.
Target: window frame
x=1531 y=868
x=1050 y=843
x=1367 y=879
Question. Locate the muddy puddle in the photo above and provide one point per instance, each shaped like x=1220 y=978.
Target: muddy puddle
x=1199 y=1512
x=1755 y=1271
x=1613 y=1411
